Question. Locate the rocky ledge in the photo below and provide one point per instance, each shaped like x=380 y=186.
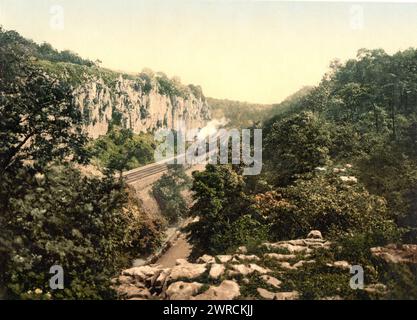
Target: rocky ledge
x=266 y=272
x=221 y=277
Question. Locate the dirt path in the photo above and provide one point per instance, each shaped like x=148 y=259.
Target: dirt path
x=180 y=250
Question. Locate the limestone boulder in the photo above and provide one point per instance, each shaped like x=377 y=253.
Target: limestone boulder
x=280 y=257
x=272 y=281
x=227 y=290
x=182 y=290
x=206 y=259
x=216 y=270
x=187 y=271
x=224 y=258
x=315 y=234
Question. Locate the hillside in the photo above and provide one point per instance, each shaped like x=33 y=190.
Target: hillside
x=142 y=102
x=239 y=114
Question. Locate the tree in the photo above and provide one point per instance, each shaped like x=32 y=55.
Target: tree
x=38 y=120
x=225 y=218
x=296 y=145
x=167 y=192
x=62 y=218
x=324 y=202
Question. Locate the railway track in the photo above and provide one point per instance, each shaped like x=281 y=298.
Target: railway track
x=141 y=173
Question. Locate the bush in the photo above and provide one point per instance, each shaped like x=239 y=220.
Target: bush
x=167 y=192
x=325 y=203
x=296 y=145
x=58 y=217
x=225 y=218
x=121 y=149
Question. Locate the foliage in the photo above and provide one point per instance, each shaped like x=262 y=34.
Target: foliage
x=42 y=51
x=167 y=192
x=223 y=211
x=50 y=213
x=239 y=114
x=58 y=217
x=324 y=203
x=39 y=121
x=367 y=110
x=297 y=145
x=121 y=149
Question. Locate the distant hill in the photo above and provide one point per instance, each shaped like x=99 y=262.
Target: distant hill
x=239 y=114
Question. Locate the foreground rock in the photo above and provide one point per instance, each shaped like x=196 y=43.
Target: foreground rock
x=226 y=277
x=182 y=290
x=406 y=253
x=228 y=290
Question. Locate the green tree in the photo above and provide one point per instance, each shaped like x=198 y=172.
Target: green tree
x=168 y=193
x=225 y=218
x=325 y=202
x=60 y=218
x=38 y=120
x=296 y=145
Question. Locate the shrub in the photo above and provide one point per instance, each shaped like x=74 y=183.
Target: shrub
x=58 y=217
x=326 y=203
x=296 y=145
x=168 y=194
x=225 y=217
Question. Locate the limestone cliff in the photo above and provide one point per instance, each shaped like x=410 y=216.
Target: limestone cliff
x=132 y=104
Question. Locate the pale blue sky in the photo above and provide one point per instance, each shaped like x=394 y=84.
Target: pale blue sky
x=245 y=50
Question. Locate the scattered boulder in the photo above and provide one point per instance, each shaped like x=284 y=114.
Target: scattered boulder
x=227 y=290
x=259 y=269
x=216 y=271
x=274 y=282
x=349 y=179
x=301 y=263
x=243 y=257
x=292 y=295
x=340 y=265
x=245 y=270
x=406 y=253
x=161 y=277
x=224 y=258
x=125 y=280
x=141 y=273
x=268 y=295
x=182 y=290
x=292 y=248
x=206 y=259
x=287 y=266
x=376 y=289
x=265 y=294
x=129 y=291
x=187 y=270
x=240 y=269
x=315 y=234
x=280 y=257
x=242 y=250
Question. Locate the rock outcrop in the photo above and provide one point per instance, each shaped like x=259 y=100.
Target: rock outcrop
x=406 y=253
x=125 y=102
x=267 y=272
x=223 y=277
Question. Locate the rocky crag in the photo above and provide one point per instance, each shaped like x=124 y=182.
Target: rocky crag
x=242 y=275
x=127 y=104
x=143 y=102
